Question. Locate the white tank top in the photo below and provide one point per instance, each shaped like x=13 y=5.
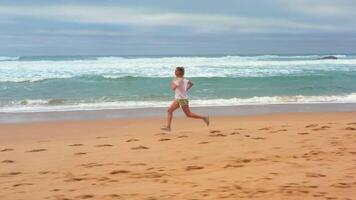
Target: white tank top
x=181 y=90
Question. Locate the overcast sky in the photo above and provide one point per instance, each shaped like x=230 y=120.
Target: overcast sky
x=169 y=27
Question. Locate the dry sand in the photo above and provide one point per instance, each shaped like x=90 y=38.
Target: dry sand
x=276 y=156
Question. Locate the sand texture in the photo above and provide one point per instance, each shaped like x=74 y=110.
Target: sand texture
x=276 y=156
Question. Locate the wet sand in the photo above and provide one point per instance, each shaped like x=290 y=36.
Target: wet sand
x=270 y=156
x=21 y=117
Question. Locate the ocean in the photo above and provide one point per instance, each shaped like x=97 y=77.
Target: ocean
x=62 y=83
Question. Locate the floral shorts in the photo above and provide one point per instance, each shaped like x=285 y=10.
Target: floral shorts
x=183 y=102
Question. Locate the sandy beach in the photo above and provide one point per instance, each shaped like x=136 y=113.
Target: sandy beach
x=268 y=156
x=88 y=90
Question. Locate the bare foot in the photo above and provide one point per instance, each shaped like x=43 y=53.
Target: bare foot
x=166 y=128
x=207 y=120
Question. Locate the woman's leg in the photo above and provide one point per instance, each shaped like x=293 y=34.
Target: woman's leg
x=174 y=106
x=190 y=114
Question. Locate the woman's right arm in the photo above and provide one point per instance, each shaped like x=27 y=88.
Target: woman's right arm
x=173 y=85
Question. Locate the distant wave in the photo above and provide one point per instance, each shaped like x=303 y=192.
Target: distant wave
x=5 y=58
x=40 y=105
x=98 y=78
x=242 y=57
x=118 y=58
x=117 y=67
x=228 y=57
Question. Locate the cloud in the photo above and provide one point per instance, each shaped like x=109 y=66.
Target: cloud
x=148 y=18
x=323 y=8
x=82 y=32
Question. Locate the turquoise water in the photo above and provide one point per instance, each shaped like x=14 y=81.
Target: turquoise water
x=90 y=82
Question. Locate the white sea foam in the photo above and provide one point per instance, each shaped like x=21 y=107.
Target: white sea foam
x=8 y=58
x=116 y=67
x=40 y=105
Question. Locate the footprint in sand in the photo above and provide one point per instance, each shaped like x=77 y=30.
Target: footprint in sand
x=192 y=167
x=204 y=142
x=320 y=194
x=121 y=171
x=7 y=149
x=215 y=131
x=303 y=133
x=164 y=139
x=280 y=130
x=182 y=136
x=238 y=163
x=85 y=196
x=21 y=184
x=139 y=147
x=148 y=175
x=90 y=165
x=265 y=128
x=100 y=137
x=350 y=128
x=75 y=145
x=341 y=185
x=235 y=133
x=14 y=173
x=318 y=129
x=351 y=123
x=71 y=178
x=47 y=172
x=331 y=198
x=36 y=150
x=258 y=138
x=103 y=179
x=321 y=128
x=138 y=164
x=217 y=134
x=80 y=153
x=10 y=174
x=314 y=175
x=104 y=145
x=311 y=125
x=233 y=165
x=113 y=196
x=243 y=160
x=8 y=161
x=312 y=153
x=132 y=140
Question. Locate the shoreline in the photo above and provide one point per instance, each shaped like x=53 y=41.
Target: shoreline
x=138 y=113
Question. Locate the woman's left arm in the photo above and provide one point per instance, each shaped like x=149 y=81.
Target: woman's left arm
x=190 y=85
